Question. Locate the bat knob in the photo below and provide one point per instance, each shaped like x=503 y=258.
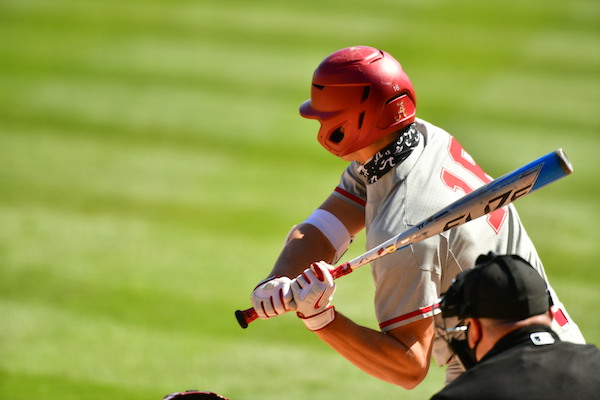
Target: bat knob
x=239 y=315
x=245 y=317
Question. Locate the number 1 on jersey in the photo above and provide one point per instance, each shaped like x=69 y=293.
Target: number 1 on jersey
x=454 y=182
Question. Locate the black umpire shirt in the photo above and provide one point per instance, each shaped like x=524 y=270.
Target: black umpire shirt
x=530 y=363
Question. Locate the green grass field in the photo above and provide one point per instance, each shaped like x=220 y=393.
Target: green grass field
x=152 y=159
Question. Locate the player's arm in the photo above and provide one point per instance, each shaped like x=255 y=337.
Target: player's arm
x=307 y=243
x=400 y=356
x=324 y=236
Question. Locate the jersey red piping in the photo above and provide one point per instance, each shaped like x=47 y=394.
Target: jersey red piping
x=560 y=317
x=404 y=317
x=350 y=196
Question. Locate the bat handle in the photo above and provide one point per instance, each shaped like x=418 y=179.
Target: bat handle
x=245 y=317
x=341 y=270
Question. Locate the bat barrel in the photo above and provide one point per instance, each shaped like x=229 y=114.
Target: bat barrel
x=554 y=165
x=563 y=161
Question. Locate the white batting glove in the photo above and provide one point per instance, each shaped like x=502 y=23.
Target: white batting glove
x=272 y=297
x=313 y=291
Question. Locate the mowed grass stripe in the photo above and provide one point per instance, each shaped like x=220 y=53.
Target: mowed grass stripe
x=139 y=355
x=534 y=96
x=70 y=388
x=153 y=179
x=467 y=37
x=96 y=101
x=124 y=269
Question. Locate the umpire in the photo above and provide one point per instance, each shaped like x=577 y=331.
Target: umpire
x=506 y=312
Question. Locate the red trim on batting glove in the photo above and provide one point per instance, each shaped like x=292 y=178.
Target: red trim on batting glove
x=319 y=321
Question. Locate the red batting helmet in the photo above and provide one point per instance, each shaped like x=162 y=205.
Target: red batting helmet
x=359 y=95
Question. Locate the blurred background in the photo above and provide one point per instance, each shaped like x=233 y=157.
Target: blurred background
x=152 y=160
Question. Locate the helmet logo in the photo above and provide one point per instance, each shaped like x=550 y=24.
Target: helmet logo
x=401 y=111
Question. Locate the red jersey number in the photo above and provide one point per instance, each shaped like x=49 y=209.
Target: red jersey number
x=496 y=218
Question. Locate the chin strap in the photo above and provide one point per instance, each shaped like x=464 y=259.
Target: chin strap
x=465 y=354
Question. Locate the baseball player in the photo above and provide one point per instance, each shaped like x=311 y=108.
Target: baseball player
x=402 y=170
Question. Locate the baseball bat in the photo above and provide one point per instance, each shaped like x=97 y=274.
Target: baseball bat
x=484 y=200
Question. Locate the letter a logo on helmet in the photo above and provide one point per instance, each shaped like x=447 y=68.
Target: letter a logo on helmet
x=359 y=95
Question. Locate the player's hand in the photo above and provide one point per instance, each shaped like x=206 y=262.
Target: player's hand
x=272 y=297
x=312 y=291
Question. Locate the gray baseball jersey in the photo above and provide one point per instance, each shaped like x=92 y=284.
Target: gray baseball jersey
x=409 y=282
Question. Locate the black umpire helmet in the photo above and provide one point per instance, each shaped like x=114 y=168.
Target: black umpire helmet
x=498 y=287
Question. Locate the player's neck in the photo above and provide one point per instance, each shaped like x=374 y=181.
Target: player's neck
x=366 y=153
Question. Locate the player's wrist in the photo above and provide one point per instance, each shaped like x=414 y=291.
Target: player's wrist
x=318 y=321
x=270 y=278
x=272 y=297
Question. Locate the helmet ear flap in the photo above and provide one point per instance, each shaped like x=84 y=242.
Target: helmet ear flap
x=453 y=303
x=397 y=111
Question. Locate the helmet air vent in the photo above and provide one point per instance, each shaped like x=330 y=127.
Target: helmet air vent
x=365 y=94
x=395 y=97
x=361 y=117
